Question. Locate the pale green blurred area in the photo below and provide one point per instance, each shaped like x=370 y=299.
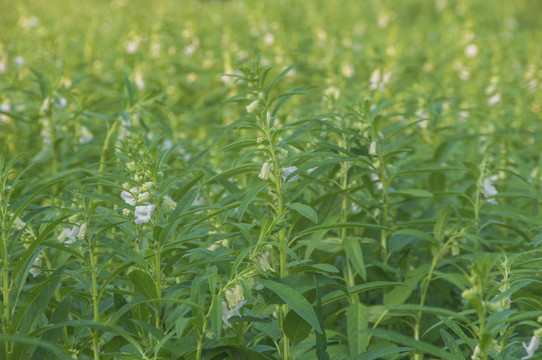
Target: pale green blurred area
x=183 y=48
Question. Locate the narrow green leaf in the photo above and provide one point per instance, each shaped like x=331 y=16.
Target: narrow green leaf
x=413 y=192
x=451 y=344
x=440 y=225
x=184 y=203
x=337 y=226
x=416 y=344
x=143 y=284
x=380 y=353
x=33 y=342
x=354 y=254
x=248 y=198
x=295 y=300
x=321 y=338
x=305 y=211
x=216 y=316
x=357 y=321
x=123 y=251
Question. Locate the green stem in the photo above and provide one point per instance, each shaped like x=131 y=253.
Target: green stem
x=95 y=301
x=158 y=284
x=349 y=276
x=6 y=319
x=103 y=155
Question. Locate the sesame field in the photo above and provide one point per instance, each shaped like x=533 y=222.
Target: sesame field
x=253 y=180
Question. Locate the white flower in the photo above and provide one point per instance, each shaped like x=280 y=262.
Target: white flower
x=131 y=46
x=85 y=136
x=376 y=179
x=217 y=244
x=138 y=79
x=143 y=213
x=18 y=223
x=532 y=347
x=144 y=197
x=287 y=171
x=494 y=99
x=19 y=61
x=488 y=190
x=169 y=203
x=372 y=148
x=167 y=144
x=61 y=103
x=471 y=51
x=71 y=235
x=268 y=39
x=264 y=174
x=5 y=107
x=128 y=197
x=82 y=231
x=252 y=106
x=36 y=267
x=332 y=93
x=45 y=105
x=228 y=313
x=347 y=70
x=235 y=296
x=262 y=262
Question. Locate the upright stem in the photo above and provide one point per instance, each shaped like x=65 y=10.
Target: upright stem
x=158 y=284
x=349 y=276
x=95 y=301
x=6 y=319
x=107 y=141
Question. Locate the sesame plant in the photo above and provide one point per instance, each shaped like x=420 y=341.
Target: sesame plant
x=270 y=180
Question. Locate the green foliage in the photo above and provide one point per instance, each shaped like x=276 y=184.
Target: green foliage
x=270 y=180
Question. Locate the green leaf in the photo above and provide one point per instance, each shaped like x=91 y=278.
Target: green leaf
x=295 y=300
x=61 y=313
x=357 y=321
x=29 y=342
x=295 y=328
x=216 y=316
x=248 y=198
x=184 y=203
x=416 y=344
x=143 y=284
x=451 y=344
x=321 y=338
x=440 y=225
x=123 y=251
x=354 y=254
x=305 y=211
x=413 y=192
x=337 y=226
x=380 y=353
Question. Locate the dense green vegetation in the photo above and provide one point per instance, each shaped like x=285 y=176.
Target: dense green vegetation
x=270 y=180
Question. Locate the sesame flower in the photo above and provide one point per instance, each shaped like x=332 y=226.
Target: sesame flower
x=287 y=171
x=494 y=99
x=264 y=174
x=471 y=51
x=169 y=203
x=372 y=148
x=69 y=236
x=143 y=213
x=36 y=267
x=252 y=106
x=128 y=197
x=532 y=347
x=228 y=313
x=488 y=190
